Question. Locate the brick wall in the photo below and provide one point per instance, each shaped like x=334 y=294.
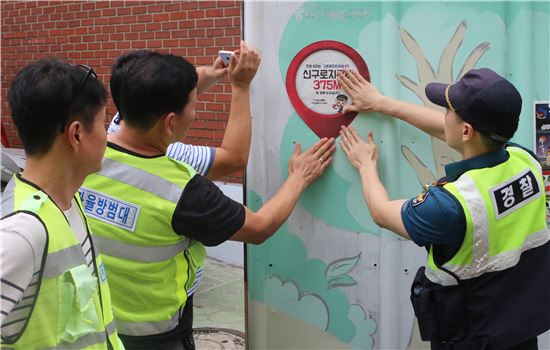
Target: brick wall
x=96 y=32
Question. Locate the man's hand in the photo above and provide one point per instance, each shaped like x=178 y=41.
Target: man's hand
x=359 y=152
x=217 y=71
x=243 y=66
x=209 y=76
x=309 y=165
x=365 y=96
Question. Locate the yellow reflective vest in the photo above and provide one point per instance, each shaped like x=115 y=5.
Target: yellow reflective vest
x=505 y=211
x=72 y=307
x=152 y=269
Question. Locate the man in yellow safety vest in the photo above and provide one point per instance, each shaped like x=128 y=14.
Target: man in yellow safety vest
x=54 y=289
x=152 y=215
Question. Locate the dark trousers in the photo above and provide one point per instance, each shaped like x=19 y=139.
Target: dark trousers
x=180 y=338
x=531 y=344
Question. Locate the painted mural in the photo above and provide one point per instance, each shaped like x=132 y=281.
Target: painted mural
x=330 y=278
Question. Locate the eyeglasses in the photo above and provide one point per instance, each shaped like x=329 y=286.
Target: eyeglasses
x=89 y=72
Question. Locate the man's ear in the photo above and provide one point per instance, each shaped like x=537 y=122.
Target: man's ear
x=468 y=131
x=73 y=134
x=168 y=123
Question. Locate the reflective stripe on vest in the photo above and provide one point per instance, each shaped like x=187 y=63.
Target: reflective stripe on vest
x=148 y=328
x=63 y=260
x=496 y=263
x=139 y=253
x=141 y=179
x=478 y=221
x=87 y=340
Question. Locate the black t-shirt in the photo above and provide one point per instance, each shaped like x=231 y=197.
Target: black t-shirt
x=205 y=214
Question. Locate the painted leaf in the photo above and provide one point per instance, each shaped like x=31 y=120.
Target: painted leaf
x=341 y=281
x=341 y=267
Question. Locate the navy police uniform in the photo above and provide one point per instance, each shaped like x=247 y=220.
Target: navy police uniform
x=483 y=313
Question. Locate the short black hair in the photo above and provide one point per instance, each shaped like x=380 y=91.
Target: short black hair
x=155 y=85
x=489 y=143
x=45 y=96
x=120 y=71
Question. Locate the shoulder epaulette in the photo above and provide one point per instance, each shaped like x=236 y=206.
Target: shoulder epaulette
x=34 y=201
x=441 y=182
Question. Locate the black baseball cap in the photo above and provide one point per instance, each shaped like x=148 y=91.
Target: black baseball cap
x=481 y=97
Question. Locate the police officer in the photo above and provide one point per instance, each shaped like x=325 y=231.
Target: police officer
x=54 y=289
x=485 y=284
x=153 y=215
